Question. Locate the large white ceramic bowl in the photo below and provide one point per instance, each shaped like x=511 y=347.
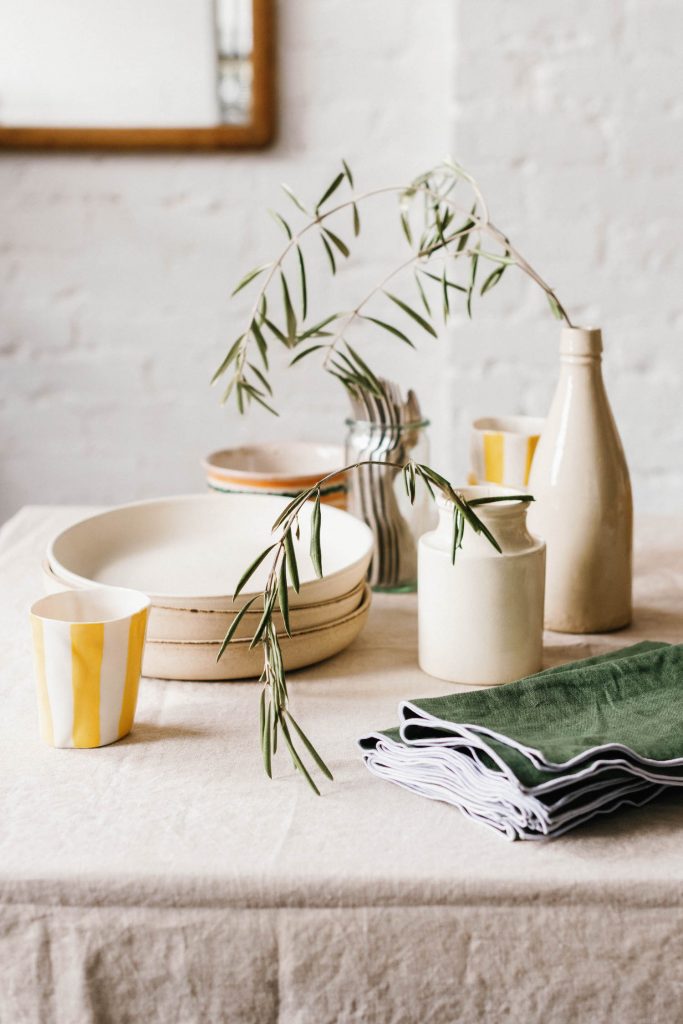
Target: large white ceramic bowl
x=190 y=551
x=197 y=661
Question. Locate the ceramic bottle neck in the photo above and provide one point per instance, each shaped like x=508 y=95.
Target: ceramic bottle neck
x=581 y=346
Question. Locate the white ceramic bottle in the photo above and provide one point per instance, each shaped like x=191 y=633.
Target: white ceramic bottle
x=480 y=620
x=583 y=508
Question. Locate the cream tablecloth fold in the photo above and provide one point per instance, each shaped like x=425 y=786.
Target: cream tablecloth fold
x=165 y=879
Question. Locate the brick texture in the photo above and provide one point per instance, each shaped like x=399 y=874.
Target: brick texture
x=115 y=271
x=571 y=117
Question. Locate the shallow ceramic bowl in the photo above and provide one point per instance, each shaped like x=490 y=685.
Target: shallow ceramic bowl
x=280 y=468
x=189 y=552
x=208 y=625
x=164 y=659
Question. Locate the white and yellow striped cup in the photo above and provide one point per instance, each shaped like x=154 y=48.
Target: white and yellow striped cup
x=502 y=449
x=88 y=647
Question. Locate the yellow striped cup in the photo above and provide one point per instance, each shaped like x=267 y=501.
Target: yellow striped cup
x=502 y=449
x=87 y=647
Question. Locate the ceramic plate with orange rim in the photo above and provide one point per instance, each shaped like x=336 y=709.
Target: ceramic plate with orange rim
x=278 y=468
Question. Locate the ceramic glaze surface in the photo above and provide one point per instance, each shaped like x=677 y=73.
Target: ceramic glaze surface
x=583 y=506
x=285 y=467
x=480 y=621
x=88 y=649
x=502 y=449
x=198 y=661
x=190 y=551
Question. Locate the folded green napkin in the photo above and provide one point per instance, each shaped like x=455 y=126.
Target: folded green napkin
x=537 y=757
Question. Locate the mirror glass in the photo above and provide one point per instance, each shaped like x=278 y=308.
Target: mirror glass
x=128 y=64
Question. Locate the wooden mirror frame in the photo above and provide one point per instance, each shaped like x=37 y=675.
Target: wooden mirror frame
x=259 y=131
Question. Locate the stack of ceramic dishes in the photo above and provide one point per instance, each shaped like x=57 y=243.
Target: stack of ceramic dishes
x=187 y=554
x=281 y=468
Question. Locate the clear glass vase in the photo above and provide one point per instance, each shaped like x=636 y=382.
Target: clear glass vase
x=377 y=495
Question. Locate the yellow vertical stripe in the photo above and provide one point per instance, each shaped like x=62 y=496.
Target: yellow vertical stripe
x=87 y=644
x=531 y=443
x=136 y=639
x=46 y=730
x=493 y=458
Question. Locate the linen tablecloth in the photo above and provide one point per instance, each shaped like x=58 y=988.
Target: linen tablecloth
x=166 y=879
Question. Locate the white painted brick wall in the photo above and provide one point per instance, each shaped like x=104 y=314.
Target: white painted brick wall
x=571 y=116
x=115 y=271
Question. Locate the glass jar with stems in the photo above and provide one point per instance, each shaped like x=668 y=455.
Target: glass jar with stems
x=377 y=495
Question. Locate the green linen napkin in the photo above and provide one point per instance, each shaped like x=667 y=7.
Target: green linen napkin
x=540 y=755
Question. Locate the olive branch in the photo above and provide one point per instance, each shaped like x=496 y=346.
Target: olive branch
x=451 y=235
x=443 y=234
x=275 y=717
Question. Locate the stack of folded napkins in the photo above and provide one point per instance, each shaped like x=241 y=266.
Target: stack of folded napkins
x=538 y=757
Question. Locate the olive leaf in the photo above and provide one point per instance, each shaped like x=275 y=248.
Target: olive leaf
x=316 y=553
x=306 y=352
x=265 y=618
x=465 y=231
x=474 y=261
x=330 y=190
x=316 y=329
x=390 y=328
x=283 y=599
x=231 y=356
x=555 y=306
x=412 y=313
x=302 y=278
x=297 y=202
x=290 y=556
x=492 y=280
x=444 y=278
x=295 y=757
x=248 y=278
x=262 y=380
x=337 y=242
x=405 y=224
x=274 y=329
x=347 y=172
x=309 y=746
x=266 y=742
x=423 y=294
x=249 y=572
x=279 y=219
x=234 y=624
x=261 y=342
x=290 y=315
x=330 y=254
x=363 y=367
x=258 y=398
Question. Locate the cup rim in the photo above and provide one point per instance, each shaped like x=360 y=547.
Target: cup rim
x=319 y=458
x=40 y=609
x=531 y=425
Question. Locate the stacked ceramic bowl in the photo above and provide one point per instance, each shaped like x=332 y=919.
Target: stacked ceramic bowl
x=187 y=553
x=285 y=467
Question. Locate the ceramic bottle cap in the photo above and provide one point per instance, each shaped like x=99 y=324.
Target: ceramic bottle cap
x=581 y=341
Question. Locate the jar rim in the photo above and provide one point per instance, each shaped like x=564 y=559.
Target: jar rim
x=473 y=491
x=412 y=425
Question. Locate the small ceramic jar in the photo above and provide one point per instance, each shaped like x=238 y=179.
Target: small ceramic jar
x=481 y=619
